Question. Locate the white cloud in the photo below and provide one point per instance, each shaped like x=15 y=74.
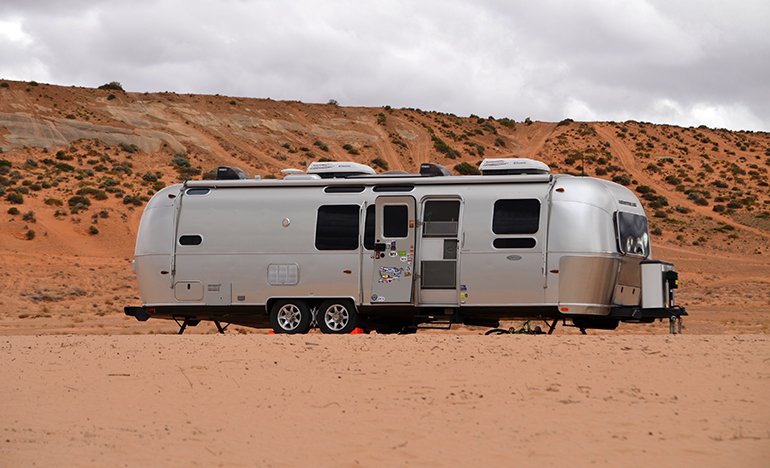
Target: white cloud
x=548 y=60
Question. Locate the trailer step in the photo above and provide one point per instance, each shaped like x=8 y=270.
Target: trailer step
x=433 y=322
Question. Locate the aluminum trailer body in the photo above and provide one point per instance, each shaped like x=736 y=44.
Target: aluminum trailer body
x=392 y=250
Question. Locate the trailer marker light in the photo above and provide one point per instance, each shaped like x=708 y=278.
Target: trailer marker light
x=565 y=309
x=559 y=189
x=163 y=272
x=347 y=272
x=554 y=271
x=171 y=195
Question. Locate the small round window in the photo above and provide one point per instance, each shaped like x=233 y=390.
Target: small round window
x=190 y=240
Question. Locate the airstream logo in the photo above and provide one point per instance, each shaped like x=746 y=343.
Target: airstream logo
x=627 y=203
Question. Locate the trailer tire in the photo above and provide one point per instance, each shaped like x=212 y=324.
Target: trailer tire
x=337 y=316
x=290 y=316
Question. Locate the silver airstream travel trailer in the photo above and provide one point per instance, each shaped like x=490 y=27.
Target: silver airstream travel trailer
x=342 y=247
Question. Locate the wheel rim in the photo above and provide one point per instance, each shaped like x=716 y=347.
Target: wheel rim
x=289 y=317
x=336 y=317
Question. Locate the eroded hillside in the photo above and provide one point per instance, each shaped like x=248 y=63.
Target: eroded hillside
x=78 y=165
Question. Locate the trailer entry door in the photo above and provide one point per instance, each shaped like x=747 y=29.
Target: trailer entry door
x=393 y=250
x=439 y=251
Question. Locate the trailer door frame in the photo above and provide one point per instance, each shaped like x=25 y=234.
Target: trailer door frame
x=394 y=250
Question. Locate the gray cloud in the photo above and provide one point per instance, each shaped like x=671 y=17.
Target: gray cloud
x=682 y=62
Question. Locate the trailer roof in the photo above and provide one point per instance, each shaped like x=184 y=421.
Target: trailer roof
x=381 y=179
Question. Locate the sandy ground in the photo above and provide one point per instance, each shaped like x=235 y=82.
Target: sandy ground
x=376 y=400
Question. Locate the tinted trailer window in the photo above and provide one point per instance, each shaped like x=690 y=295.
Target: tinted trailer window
x=633 y=238
x=337 y=227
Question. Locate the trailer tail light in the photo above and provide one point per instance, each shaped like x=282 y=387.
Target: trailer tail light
x=163 y=272
x=559 y=189
x=347 y=272
x=564 y=309
x=171 y=195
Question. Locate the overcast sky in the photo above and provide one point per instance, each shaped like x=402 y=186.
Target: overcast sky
x=682 y=62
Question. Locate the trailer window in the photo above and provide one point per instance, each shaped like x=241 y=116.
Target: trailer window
x=516 y=216
x=369 y=228
x=190 y=240
x=514 y=243
x=440 y=218
x=395 y=221
x=198 y=191
x=633 y=238
x=337 y=227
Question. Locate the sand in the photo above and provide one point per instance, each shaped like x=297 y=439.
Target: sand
x=429 y=399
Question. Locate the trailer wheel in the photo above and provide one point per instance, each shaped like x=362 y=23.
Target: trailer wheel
x=290 y=316
x=337 y=316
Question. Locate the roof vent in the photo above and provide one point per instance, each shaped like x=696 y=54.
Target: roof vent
x=513 y=166
x=230 y=173
x=339 y=170
x=434 y=170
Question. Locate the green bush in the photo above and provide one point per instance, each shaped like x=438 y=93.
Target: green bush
x=29 y=216
x=110 y=97
x=93 y=230
x=465 y=168
x=13 y=210
x=30 y=234
x=53 y=202
x=113 y=85
x=15 y=198
x=381 y=163
x=79 y=200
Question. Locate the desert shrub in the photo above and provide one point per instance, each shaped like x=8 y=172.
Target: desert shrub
x=13 y=210
x=440 y=146
x=4 y=85
x=660 y=214
x=63 y=156
x=113 y=85
x=29 y=216
x=132 y=200
x=30 y=234
x=22 y=190
x=322 y=145
x=381 y=119
x=465 y=168
x=600 y=171
x=657 y=231
x=104 y=214
x=35 y=187
x=150 y=177
x=622 y=180
x=110 y=97
x=682 y=209
x=725 y=228
x=734 y=205
x=673 y=180
x=644 y=189
x=64 y=167
x=53 y=202
x=564 y=122
x=79 y=200
x=381 y=163
x=70 y=116
x=180 y=161
x=232 y=102
x=5 y=163
x=719 y=184
x=158 y=186
x=93 y=230
x=701 y=201
x=30 y=162
x=499 y=142
x=15 y=198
